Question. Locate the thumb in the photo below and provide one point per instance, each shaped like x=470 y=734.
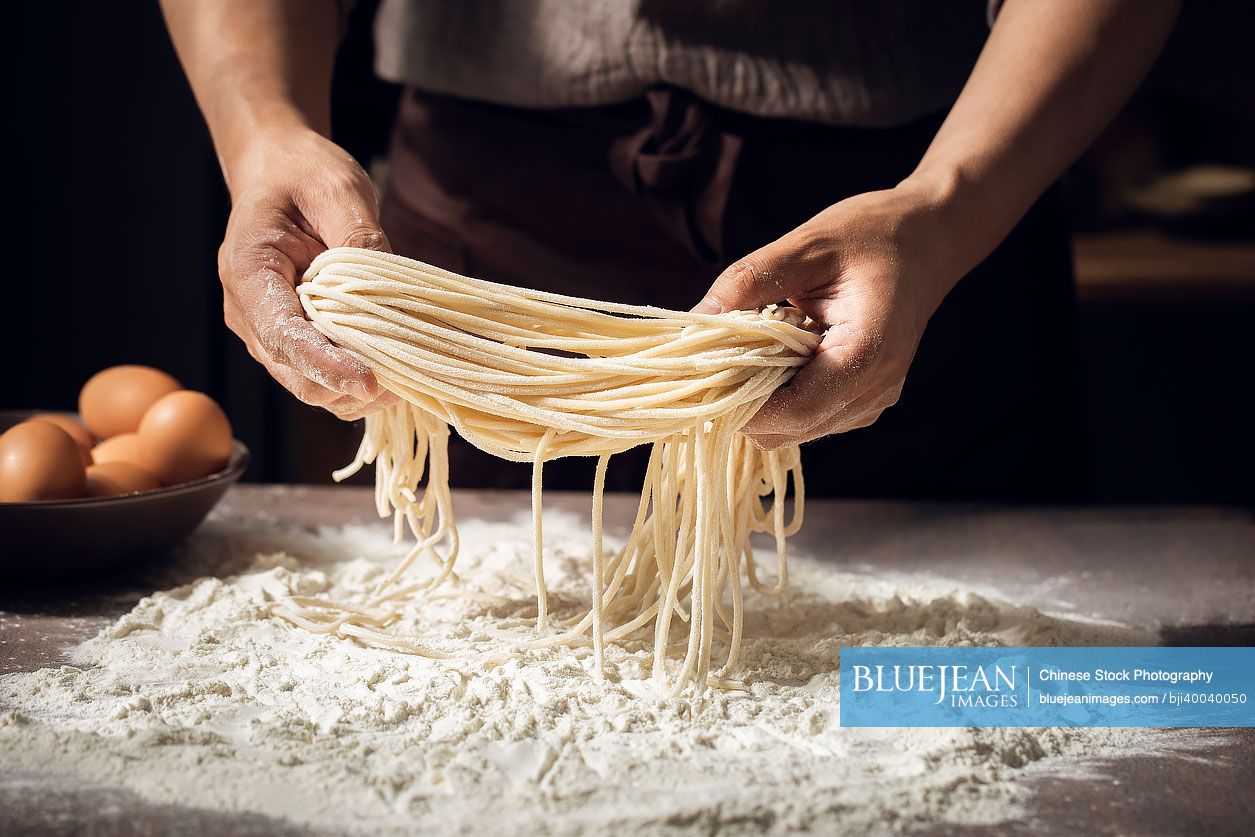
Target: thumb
x=770 y=274
x=368 y=236
x=350 y=218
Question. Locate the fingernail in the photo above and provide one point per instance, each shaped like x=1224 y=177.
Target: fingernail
x=708 y=306
x=359 y=390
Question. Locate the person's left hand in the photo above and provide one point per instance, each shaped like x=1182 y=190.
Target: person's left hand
x=871 y=270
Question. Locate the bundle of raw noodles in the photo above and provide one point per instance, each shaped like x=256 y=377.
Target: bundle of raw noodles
x=532 y=376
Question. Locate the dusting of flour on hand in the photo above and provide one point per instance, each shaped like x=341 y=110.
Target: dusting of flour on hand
x=200 y=696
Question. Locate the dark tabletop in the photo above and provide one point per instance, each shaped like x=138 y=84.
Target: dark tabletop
x=1186 y=573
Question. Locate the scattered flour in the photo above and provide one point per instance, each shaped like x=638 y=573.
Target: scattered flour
x=199 y=696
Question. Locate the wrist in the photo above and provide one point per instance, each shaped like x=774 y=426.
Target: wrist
x=975 y=208
x=251 y=117
x=941 y=232
x=252 y=149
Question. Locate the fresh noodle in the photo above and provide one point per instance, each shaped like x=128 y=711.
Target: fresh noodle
x=531 y=376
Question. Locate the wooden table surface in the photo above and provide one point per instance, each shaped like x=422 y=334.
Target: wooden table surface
x=1186 y=573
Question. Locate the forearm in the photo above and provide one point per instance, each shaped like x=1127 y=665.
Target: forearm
x=1050 y=77
x=257 y=67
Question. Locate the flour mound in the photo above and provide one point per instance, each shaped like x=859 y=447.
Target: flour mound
x=201 y=696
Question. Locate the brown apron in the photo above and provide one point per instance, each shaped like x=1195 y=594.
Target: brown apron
x=645 y=202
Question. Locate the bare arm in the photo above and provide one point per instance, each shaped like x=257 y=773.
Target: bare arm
x=873 y=268
x=1052 y=75
x=261 y=72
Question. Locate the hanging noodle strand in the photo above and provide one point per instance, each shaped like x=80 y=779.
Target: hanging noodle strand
x=531 y=376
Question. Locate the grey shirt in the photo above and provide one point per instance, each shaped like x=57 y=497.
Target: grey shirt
x=846 y=62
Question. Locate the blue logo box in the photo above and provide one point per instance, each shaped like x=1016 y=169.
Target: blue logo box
x=1047 y=687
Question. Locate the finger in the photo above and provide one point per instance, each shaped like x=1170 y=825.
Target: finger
x=266 y=300
x=770 y=441
x=344 y=212
x=866 y=420
x=363 y=236
x=774 y=441
x=300 y=386
x=385 y=399
x=303 y=388
x=862 y=412
x=788 y=267
x=350 y=409
x=837 y=375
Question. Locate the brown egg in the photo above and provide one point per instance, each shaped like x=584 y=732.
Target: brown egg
x=184 y=436
x=77 y=432
x=121 y=448
x=114 y=400
x=39 y=461
x=112 y=478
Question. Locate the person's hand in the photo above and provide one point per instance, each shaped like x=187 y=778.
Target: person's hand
x=294 y=196
x=870 y=270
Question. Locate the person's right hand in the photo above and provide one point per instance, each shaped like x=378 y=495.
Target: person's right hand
x=294 y=196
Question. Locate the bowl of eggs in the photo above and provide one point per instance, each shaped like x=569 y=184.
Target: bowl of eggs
x=127 y=478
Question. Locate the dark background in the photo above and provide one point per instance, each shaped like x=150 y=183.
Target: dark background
x=115 y=208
